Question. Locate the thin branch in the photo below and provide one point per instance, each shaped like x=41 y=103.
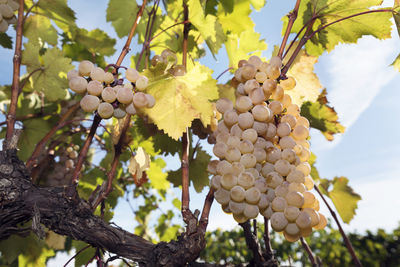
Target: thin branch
x=84 y=150
x=267 y=239
x=222 y=73
x=30 y=9
x=252 y=243
x=26 y=117
x=292 y=18
x=106 y=188
x=166 y=29
x=345 y=238
x=27 y=78
x=206 y=210
x=16 y=75
x=309 y=252
x=76 y=254
x=126 y=48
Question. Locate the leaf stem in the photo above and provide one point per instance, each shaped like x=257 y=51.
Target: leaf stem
x=169 y=27
x=309 y=252
x=16 y=75
x=345 y=238
x=292 y=18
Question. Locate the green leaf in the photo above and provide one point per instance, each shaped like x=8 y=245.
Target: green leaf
x=57 y=10
x=322 y=116
x=34 y=131
x=396 y=15
x=227 y=91
x=122 y=14
x=55 y=241
x=96 y=41
x=38 y=28
x=5 y=40
x=83 y=258
x=49 y=70
x=346 y=31
x=197 y=171
x=180 y=100
x=242 y=46
x=158 y=178
x=396 y=63
x=208 y=26
x=344 y=198
x=236 y=18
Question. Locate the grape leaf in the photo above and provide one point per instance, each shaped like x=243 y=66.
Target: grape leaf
x=308 y=86
x=346 y=31
x=396 y=15
x=197 y=171
x=242 y=46
x=48 y=71
x=83 y=258
x=344 y=198
x=96 y=41
x=235 y=20
x=322 y=116
x=38 y=28
x=180 y=100
x=122 y=14
x=227 y=91
x=5 y=40
x=208 y=26
x=158 y=178
x=396 y=63
x=55 y=241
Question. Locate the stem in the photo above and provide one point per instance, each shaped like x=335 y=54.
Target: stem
x=30 y=9
x=126 y=48
x=84 y=150
x=32 y=161
x=26 y=117
x=309 y=252
x=79 y=252
x=345 y=238
x=267 y=239
x=252 y=243
x=292 y=17
x=107 y=185
x=222 y=73
x=169 y=27
x=206 y=210
x=186 y=213
x=16 y=74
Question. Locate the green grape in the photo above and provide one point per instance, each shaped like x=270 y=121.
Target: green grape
x=108 y=95
x=105 y=110
x=132 y=75
x=125 y=95
x=78 y=85
x=89 y=103
x=85 y=67
x=95 y=88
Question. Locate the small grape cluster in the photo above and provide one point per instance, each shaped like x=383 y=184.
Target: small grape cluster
x=7 y=17
x=107 y=96
x=72 y=154
x=263 y=152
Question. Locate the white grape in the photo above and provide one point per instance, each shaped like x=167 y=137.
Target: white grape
x=142 y=83
x=223 y=105
x=85 y=67
x=95 y=88
x=105 y=110
x=78 y=85
x=140 y=100
x=97 y=74
x=278 y=221
x=132 y=75
x=89 y=103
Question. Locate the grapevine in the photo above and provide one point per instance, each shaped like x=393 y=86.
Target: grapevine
x=263 y=152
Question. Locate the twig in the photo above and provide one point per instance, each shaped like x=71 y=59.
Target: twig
x=106 y=188
x=206 y=210
x=126 y=48
x=222 y=73
x=255 y=227
x=252 y=243
x=26 y=117
x=292 y=18
x=309 y=252
x=16 y=75
x=186 y=213
x=169 y=27
x=39 y=146
x=84 y=150
x=267 y=239
x=30 y=9
x=27 y=78
x=345 y=238
x=76 y=254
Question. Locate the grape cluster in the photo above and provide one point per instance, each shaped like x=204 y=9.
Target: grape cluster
x=72 y=155
x=107 y=96
x=7 y=17
x=263 y=152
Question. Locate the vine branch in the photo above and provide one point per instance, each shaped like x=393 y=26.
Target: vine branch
x=345 y=238
x=309 y=252
x=16 y=74
x=292 y=18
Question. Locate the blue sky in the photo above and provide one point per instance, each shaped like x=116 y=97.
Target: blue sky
x=361 y=86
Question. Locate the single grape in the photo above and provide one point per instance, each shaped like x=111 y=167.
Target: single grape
x=250 y=134
x=248 y=160
x=282 y=167
x=252 y=195
x=243 y=104
x=314 y=216
x=95 y=88
x=228 y=181
x=245 y=120
x=150 y=101
x=255 y=61
x=72 y=74
x=248 y=72
x=108 y=95
x=275 y=61
x=6 y=11
x=233 y=141
x=224 y=105
x=237 y=193
x=322 y=222
x=224 y=167
x=261 y=77
x=105 y=110
x=292 y=229
x=97 y=74
x=236 y=130
x=108 y=77
x=85 y=67
x=295 y=176
x=119 y=113
x=132 y=75
x=78 y=85
x=261 y=185
x=232 y=154
x=140 y=100
x=261 y=113
x=278 y=221
x=251 y=211
x=273 y=179
x=142 y=83
x=246 y=180
x=276 y=107
x=216 y=182
x=291 y=213
x=259 y=154
x=303 y=220
x=89 y=103
x=295 y=199
x=257 y=96
x=279 y=204
x=125 y=95
x=237 y=207
x=231 y=117
x=288 y=84
x=222 y=196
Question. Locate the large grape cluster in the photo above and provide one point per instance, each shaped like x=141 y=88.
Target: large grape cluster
x=7 y=17
x=263 y=152
x=107 y=96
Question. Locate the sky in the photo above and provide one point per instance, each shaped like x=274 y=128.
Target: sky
x=361 y=85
